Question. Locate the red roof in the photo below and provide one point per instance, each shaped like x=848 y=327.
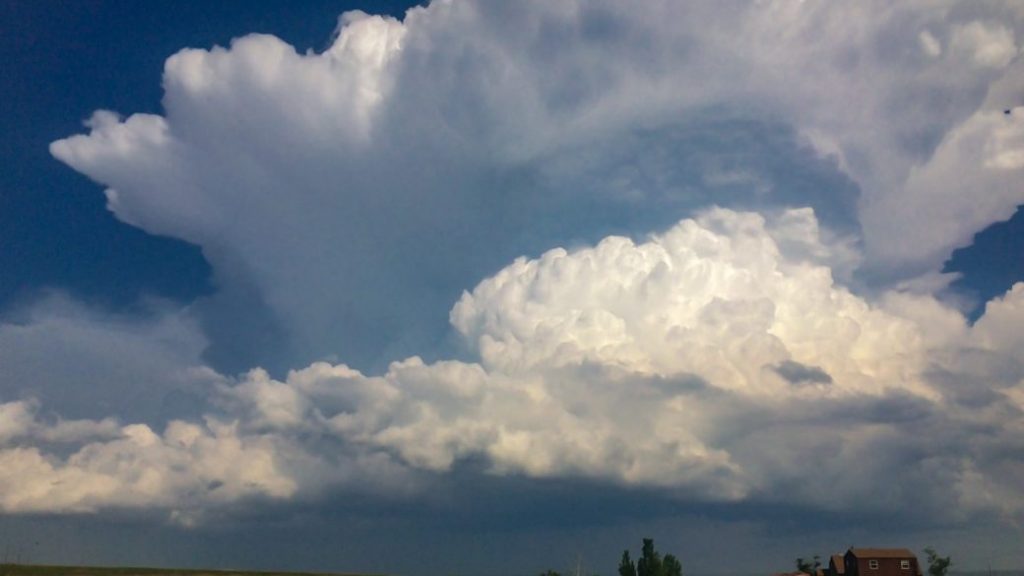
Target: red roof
x=882 y=553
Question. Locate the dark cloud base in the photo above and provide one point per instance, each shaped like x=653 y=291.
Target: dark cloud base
x=468 y=525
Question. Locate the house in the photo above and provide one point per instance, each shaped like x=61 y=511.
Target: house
x=876 y=562
x=836 y=565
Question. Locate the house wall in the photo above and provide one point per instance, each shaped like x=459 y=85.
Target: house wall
x=886 y=566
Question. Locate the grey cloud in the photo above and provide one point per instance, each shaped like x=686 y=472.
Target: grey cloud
x=797 y=373
x=81 y=362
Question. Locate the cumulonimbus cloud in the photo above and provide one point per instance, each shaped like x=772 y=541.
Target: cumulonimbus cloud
x=717 y=361
x=309 y=180
x=350 y=196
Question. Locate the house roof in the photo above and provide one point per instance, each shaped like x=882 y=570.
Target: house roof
x=882 y=553
x=837 y=562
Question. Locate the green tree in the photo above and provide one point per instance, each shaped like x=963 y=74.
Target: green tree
x=937 y=565
x=626 y=566
x=650 y=563
x=808 y=567
x=672 y=566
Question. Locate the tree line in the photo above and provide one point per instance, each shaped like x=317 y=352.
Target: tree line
x=651 y=563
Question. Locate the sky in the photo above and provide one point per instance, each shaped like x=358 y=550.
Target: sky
x=474 y=287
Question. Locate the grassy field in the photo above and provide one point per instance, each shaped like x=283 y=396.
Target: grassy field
x=35 y=570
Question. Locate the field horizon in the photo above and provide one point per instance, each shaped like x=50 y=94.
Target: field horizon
x=69 y=570
x=9 y=569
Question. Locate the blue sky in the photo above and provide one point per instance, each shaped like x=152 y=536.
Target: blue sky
x=485 y=287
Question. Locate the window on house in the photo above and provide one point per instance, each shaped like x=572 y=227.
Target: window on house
x=873 y=564
x=905 y=564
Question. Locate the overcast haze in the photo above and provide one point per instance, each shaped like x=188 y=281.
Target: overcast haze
x=489 y=287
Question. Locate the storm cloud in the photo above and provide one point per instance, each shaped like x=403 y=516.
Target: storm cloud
x=691 y=251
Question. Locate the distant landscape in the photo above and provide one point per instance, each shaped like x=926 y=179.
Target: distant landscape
x=1018 y=572
x=42 y=570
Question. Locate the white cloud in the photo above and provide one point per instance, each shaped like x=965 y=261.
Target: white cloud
x=999 y=328
x=973 y=179
x=709 y=361
x=348 y=79
x=929 y=43
x=190 y=471
x=18 y=420
x=987 y=44
x=450 y=124
x=713 y=297
x=718 y=361
x=187 y=467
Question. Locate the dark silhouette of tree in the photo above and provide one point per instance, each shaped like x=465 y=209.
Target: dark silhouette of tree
x=626 y=567
x=937 y=565
x=672 y=566
x=550 y=573
x=808 y=567
x=650 y=563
